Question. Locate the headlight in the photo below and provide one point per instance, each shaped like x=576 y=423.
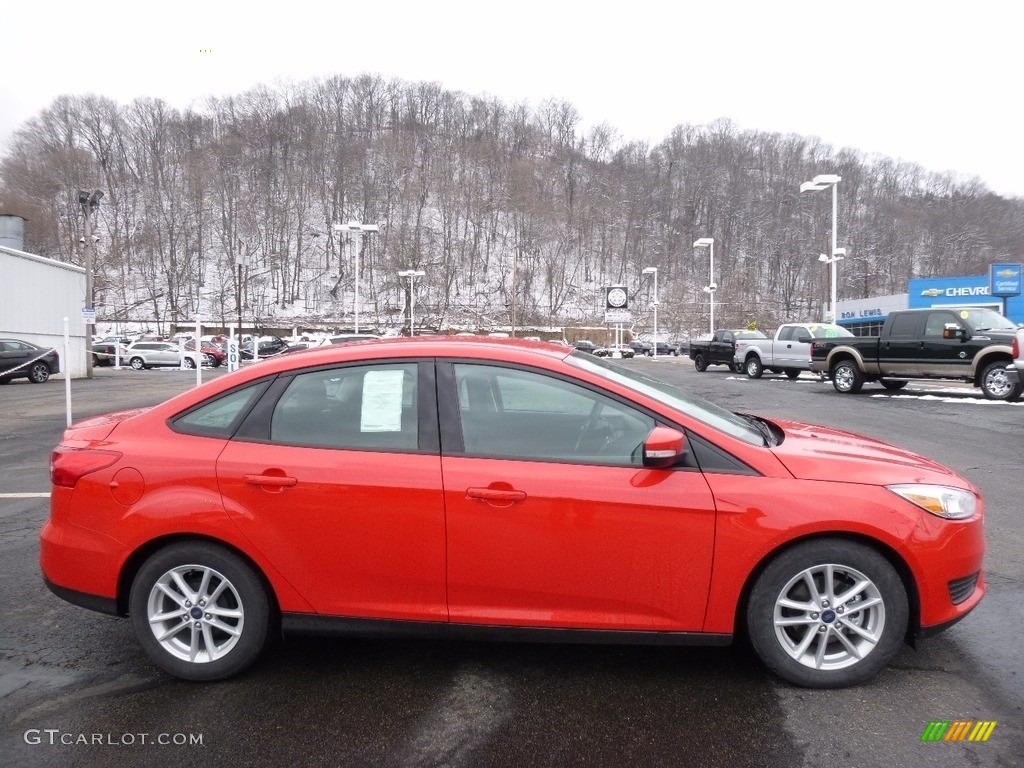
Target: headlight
x=940 y=500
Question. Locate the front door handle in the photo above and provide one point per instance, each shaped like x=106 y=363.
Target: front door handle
x=495 y=494
x=270 y=481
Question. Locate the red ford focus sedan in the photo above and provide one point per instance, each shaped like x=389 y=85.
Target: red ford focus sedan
x=495 y=488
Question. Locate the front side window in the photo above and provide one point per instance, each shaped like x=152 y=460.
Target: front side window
x=512 y=413
x=371 y=407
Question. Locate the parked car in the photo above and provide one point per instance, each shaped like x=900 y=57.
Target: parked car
x=639 y=347
x=159 y=354
x=970 y=344
x=720 y=348
x=213 y=354
x=615 y=350
x=1015 y=371
x=348 y=338
x=24 y=360
x=586 y=345
x=108 y=353
x=788 y=351
x=501 y=490
x=268 y=346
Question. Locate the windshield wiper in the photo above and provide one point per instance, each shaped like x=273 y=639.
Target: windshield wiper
x=761 y=426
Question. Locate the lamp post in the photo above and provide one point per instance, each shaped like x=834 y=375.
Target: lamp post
x=709 y=243
x=412 y=274
x=818 y=183
x=838 y=255
x=654 y=271
x=89 y=202
x=357 y=229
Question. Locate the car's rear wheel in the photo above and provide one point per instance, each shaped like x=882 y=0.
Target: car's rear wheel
x=38 y=372
x=137 y=363
x=846 y=377
x=199 y=611
x=700 y=363
x=996 y=385
x=827 y=614
x=754 y=368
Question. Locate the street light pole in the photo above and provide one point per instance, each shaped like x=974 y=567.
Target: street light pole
x=412 y=274
x=709 y=243
x=654 y=271
x=357 y=229
x=818 y=183
x=89 y=201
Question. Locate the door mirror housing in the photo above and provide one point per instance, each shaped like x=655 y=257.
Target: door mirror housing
x=952 y=331
x=664 y=447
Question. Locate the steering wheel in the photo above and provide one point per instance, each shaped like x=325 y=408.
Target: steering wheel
x=596 y=433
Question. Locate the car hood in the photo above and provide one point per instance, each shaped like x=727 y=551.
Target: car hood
x=820 y=453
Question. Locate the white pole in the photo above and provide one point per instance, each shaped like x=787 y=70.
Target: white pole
x=835 y=188
x=655 y=313
x=357 y=238
x=711 y=293
x=199 y=354
x=412 y=306
x=67 y=369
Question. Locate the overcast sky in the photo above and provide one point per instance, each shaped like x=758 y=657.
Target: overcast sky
x=934 y=83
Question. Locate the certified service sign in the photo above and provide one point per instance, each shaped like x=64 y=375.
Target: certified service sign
x=1004 y=279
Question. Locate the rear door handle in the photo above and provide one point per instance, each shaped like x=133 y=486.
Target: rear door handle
x=493 y=494
x=270 y=481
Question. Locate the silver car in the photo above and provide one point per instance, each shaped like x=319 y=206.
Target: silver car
x=159 y=354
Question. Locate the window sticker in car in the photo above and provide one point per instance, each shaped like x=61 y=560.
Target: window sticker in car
x=382 y=402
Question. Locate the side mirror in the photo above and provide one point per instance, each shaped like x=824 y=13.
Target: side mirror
x=663 y=448
x=955 y=332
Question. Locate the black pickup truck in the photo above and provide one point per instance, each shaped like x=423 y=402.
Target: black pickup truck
x=720 y=348
x=965 y=344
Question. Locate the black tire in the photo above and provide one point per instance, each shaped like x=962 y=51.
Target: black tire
x=736 y=367
x=996 y=385
x=244 y=595
x=792 y=373
x=137 y=363
x=753 y=367
x=189 y=363
x=38 y=372
x=826 y=628
x=700 y=363
x=5 y=381
x=846 y=377
x=893 y=384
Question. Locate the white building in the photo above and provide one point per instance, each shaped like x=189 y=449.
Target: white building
x=36 y=294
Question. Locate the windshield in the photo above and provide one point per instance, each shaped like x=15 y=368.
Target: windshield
x=982 y=319
x=685 y=402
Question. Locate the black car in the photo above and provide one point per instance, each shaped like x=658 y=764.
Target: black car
x=585 y=345
x=269 y=345
x=25 y=360
x=640 y=347
x=107 y=354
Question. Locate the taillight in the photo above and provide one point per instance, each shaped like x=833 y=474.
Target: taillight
x=67 y=465
x=1016 y=346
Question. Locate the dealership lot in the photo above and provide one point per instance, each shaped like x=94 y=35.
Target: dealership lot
x=364 y=702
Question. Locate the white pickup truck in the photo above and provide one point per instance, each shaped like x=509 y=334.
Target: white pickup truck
x=788 y=351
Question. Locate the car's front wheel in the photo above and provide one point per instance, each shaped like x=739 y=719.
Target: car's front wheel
x=827 y=614
x=38 y=372
x=996 y=385
x=189 y=363
x=199 y=611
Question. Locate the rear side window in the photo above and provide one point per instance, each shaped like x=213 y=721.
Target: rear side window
x=372 y=407
x=219 y=417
